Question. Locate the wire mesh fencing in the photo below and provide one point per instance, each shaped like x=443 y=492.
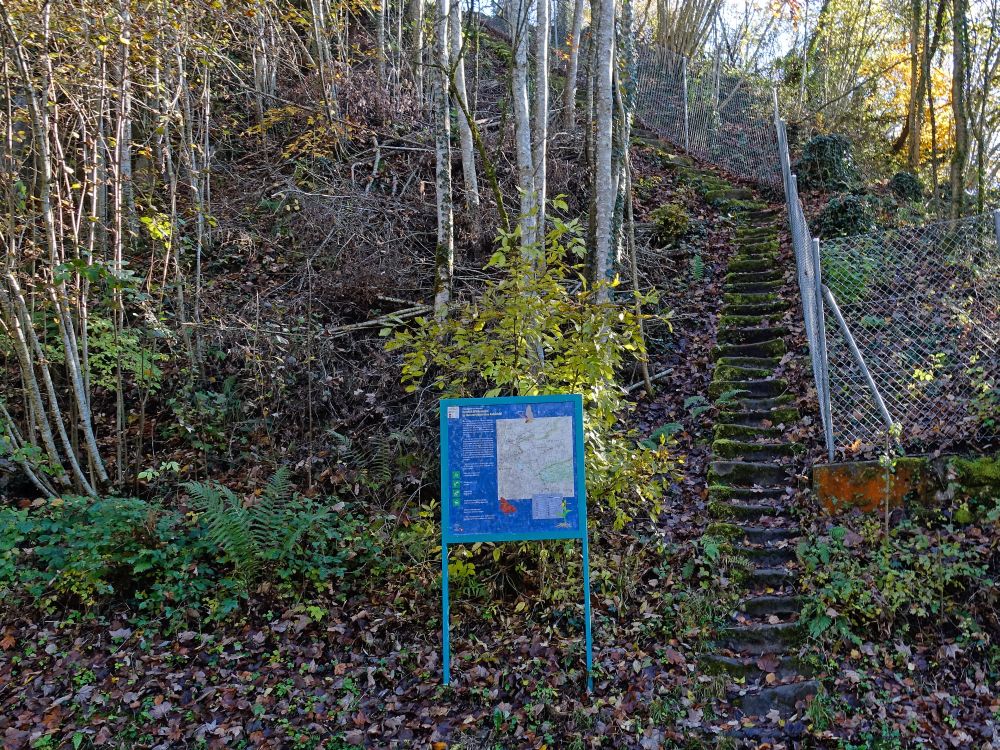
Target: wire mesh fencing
x=903 y=325
x=923 y=308
x=711 y=110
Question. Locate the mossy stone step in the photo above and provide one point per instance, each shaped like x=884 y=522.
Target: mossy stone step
x=743 y=266
x=770 y=348
x=737 y=511
x=768 y=256
x=770 y=362
x=759 y=309
x=751 y=335
x=748 y=388
x=756 y=234
x=722 y=491
x=754 y=287
x=765 y=535
x=770 y=604
x=743 y=432
x=762 y=298
x=730 y=194
x=746 y=669
x=753 y=277
x=761 y=639
x=765 y=403
x=732 y=372
x=756 y=417
x=726 y=448
x=767 y=557
x=760 y=245
x=747 y=474
x=728 y=320
x=787 y=699
x=771 y=578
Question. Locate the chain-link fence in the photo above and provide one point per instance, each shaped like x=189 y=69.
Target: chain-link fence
x=923 y=307
x=903 y=335
x=710 y=110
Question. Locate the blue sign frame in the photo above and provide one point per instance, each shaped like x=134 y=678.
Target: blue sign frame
x=449 y=534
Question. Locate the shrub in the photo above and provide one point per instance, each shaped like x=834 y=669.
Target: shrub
x=906 y=186
x=846 y=214
x=670 y=222
x=827 y=163
x=530 y=333
x=860 y=586
x=84 y=552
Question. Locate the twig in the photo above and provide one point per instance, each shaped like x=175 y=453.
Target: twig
x=652 y=379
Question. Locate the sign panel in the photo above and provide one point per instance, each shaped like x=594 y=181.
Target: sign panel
x=512 y=468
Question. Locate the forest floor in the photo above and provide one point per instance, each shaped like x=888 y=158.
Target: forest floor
x=363 y=668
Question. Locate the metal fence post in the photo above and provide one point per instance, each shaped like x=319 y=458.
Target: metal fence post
x=996 y=225
x=684 y=75
x=823 y=379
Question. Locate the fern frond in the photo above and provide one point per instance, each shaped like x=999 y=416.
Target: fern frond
x=279 y=487
x=227 y=525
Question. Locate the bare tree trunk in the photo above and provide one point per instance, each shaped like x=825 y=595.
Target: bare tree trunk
x=522 y=122
x=573 y=66
x=541 y=124
x=462 y=100
x=603 y=179
x=417 y=46
x=445 y=253
x=959 y=80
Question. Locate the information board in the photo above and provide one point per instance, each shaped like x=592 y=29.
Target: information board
x=512 y=469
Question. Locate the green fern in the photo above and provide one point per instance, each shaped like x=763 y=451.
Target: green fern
x=267 y=531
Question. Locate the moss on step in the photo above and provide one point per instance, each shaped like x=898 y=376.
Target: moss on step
x=743 y=432
x=773 y=348
x=746 y=473
x=729 y=372
x=769 y=362
x=750 y=298
x=750 y=335
x=977 y=472
x=728 y=531
x=743 y=266
x=752 y=277
x=727 y=448
x=759 y=246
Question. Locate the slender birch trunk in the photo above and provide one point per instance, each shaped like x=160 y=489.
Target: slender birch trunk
x=573 y=67
x=445 y=253
x=462 y=100
x=522 y=122
x=603 y=179
x=541 y=124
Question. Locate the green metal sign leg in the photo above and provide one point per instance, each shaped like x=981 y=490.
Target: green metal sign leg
x=445 y=635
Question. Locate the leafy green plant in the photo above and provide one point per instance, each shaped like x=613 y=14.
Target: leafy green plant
x=827 y=163
x=886 y=584
x=906 y=186
x=846 y=214
x=670 y=222
x=531 y=333
x=253 y=536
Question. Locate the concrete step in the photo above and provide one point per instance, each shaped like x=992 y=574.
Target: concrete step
x=767 y=557
x=774 y=578
x=750 y=266
x=763 y=298
x=787 y=699
x=767 y=308
x=764 y=535
x=732 y=510
x=761 y=638
x=752 y=277
x=747 y=474
x=754 y=287
x=769 y=451
x=768 y=348
x=759 y=389
x=746 y=668
x=764 y=606
x=744 y=433
x=757 y=417
x=750 y=335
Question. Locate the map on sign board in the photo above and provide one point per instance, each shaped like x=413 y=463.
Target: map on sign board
x=512 y=466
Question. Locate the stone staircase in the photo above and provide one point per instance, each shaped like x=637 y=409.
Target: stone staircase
x=750 y=477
